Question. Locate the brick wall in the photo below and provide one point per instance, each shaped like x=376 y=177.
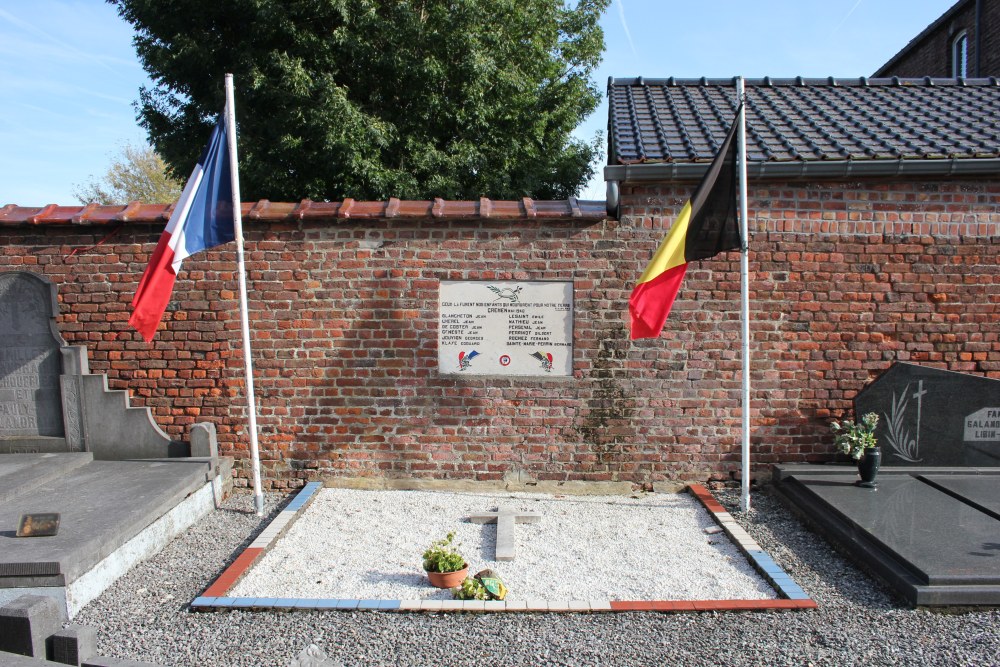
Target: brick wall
x=845 y=279
x=932 y=55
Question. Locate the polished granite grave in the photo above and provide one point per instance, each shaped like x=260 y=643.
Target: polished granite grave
x=932 y=534
x=933 y=417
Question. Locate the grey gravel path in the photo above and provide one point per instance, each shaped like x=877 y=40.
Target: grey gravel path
x=144 y=617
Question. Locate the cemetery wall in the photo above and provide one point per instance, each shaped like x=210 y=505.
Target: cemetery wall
x=845 y=278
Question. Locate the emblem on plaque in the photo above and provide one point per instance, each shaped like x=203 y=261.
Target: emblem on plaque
x=509 y=293
x=546 y=359
x=465 y=360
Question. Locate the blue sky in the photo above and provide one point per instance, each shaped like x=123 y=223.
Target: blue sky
x=69 y=75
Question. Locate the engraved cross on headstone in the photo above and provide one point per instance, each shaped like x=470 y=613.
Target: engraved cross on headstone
x=505 y=519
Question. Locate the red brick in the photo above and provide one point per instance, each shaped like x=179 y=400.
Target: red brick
x=345 y=338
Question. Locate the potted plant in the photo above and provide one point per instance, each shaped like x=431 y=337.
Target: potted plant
x=857 y=440
x=445 y=566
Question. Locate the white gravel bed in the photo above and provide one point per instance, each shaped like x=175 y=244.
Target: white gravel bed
x=359 y=544
x=145 y=616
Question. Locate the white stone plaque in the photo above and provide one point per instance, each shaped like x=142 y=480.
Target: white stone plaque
x=983 y=426
x=505 y=328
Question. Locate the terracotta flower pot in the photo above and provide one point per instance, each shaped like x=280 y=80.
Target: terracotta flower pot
x=448 y=579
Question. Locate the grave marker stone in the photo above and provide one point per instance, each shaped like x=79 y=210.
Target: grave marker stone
x=931 y=417
x=51 y=402
x=43 y=524
x=30 y=359
x=505 y=519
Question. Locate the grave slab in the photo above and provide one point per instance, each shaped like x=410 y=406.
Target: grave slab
x=979 y=491
x=21 y=473
x=105 y=506
x=102 y=505
x=932 y=542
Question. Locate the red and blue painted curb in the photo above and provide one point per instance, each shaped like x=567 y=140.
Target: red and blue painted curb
x=215 y=598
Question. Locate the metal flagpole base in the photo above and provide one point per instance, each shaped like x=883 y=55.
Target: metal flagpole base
x=258 y=504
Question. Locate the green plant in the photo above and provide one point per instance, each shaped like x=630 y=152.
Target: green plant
x=854 y=439
x=442 y=556
x=471 y=589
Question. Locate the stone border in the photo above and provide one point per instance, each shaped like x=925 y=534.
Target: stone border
x=214 y=598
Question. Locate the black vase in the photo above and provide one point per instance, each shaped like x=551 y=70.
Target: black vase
x=868 y=467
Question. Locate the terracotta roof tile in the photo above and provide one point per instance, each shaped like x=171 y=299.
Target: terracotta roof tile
x=267 y=211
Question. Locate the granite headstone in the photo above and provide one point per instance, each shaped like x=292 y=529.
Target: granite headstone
x=932 y=417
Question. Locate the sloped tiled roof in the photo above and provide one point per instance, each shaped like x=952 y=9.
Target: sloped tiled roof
x=871 y=125
x=437 y=209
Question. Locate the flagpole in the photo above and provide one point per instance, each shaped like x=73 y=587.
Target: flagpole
x=258 y=496
x=744 y=298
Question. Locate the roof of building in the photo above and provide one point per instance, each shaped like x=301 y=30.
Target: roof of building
x=669 y=129
x=306 y=210
x=886 y=69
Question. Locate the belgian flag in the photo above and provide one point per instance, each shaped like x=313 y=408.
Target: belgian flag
x=706 y=226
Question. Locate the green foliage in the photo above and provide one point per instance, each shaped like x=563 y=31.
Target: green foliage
x=471 y=589
x=441 y=556
x=138 y=174
x=373 y=99
x=854 y=439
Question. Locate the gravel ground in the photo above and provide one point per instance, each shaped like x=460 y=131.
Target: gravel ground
x=144 y=616
x=578 y=551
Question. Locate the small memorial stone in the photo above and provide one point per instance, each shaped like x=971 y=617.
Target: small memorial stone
x=492 y=583
x=38 y=525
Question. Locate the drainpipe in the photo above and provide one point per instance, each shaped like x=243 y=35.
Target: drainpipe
x=613 y=199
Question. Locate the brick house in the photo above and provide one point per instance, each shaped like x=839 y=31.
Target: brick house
x=874 y=217
x=963 y=42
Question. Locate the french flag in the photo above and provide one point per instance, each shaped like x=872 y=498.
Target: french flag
x=202 y=219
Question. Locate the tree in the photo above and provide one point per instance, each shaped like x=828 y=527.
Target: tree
x=137 y=174
x=377 y=98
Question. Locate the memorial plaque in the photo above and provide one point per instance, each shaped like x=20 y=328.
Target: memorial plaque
x=30 y=360
x=44 y=524
x=505 y=328
x=931 y=417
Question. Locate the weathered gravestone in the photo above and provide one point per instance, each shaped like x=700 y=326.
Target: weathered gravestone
x=49 y=400
x=931 y=417
x=31 y=364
